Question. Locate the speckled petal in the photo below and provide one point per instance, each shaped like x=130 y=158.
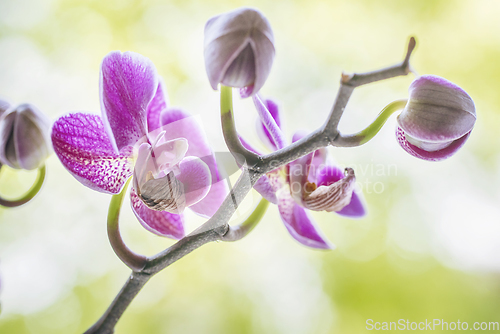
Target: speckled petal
x=162 y=223
x=83 y=146
x=127 y=84
x=299 y=224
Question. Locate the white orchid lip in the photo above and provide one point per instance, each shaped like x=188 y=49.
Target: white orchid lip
x=154 y=178
x=330 y=198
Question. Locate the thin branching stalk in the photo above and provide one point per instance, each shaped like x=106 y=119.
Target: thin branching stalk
x=217 y=227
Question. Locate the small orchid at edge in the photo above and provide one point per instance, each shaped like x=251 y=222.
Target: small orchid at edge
x=163 y=148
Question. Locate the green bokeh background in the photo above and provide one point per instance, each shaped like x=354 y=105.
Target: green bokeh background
x=428 y=248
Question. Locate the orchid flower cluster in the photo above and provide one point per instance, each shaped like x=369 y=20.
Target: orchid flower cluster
x=165 y=153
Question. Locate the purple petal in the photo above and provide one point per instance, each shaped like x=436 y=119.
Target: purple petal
x=318 y=159
x=211 y=203
x=430 y=155
x=156 y=106
x=329 y=174
x=263 y=133
x=264 y=187
x=196 y=178
x=300 y=225
x=162 y=223
x=179 y=124
x=248 y=146
x=83 y=146
x=128 y=82
x=277 y=137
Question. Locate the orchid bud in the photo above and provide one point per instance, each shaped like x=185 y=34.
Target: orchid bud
x=437 y=119
x=239 y=50
x=24 y=137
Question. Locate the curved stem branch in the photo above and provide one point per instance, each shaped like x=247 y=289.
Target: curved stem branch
x=235 y=233
x=133 y=260
x=35 y=188
x=365 y=135
x=240 y=153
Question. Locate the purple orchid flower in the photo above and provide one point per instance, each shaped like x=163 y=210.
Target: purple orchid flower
x=164 y=148
x=308 y=183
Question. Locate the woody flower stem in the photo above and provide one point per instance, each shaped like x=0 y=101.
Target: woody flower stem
x=217 y=227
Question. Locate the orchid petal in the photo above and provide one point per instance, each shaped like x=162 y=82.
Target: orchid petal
x=438 y=155
x=299 y=224
x=83 y=146
x=128 y=83
x=262 y=131
x=248 y=146
x=330 y=174
x=178 y=124
x=164 y=157
x=196 y=178
x=162 y=223
x=212 y=201
x=264 y=187
x=318 y=159
x=268 y=120
x=156 y=106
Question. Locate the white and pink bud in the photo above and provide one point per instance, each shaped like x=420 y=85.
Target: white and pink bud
x=437 y=119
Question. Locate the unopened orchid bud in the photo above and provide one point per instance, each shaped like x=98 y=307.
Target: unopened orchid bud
x=437 y=119
x=24 y=137
x=4 y=105
x=239 y=50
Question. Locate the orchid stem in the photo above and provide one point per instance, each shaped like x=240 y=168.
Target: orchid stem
x=134 y=261
x=216 y=228
x=371 y=130
x=237 y=232
x=35 y=188
x=240 y=153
